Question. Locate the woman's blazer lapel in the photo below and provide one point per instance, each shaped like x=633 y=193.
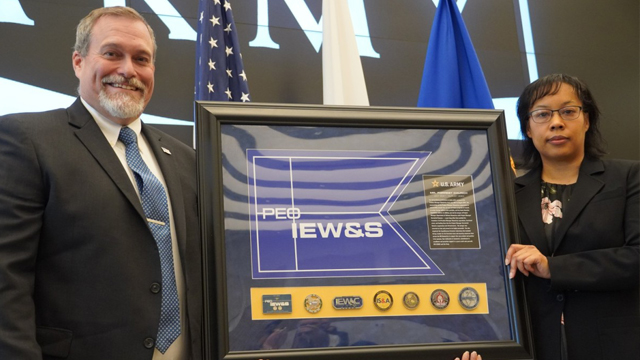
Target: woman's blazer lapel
x=529 y=203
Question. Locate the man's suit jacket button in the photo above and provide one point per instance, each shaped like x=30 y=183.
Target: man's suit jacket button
x=155 y=288
x=149 y=343
x=560 y=297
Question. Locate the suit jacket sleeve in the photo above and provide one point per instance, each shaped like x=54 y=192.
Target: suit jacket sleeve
x=22 y=201
x=616 y=265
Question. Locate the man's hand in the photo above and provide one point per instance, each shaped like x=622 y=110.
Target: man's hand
x=528 y=259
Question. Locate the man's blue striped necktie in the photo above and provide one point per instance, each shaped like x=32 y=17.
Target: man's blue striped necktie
x=154 y=204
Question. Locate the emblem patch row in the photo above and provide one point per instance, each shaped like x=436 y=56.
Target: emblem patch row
x=468 y=298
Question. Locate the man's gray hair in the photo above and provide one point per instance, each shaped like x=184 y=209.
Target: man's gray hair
x=83 y=31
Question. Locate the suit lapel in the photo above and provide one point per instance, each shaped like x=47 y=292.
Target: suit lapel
x=167 y=162
x=529 y=211
x=583 y=191
x=93 y=139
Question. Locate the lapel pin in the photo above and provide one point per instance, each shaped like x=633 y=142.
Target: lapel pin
x=166 y=150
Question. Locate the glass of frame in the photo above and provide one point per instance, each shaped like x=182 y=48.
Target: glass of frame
x=357 y=232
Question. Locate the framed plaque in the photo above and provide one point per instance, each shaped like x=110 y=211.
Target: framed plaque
x=357 y=233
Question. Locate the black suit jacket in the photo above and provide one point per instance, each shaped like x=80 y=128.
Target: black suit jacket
x=77 y=259
x=594 y=268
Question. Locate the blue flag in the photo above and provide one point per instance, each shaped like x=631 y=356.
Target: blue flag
x=219 y=71
x=452 y=76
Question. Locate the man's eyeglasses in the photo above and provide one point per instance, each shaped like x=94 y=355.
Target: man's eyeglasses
x=566 y=113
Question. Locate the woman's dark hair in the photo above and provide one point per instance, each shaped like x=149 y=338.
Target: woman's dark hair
x=550 y=85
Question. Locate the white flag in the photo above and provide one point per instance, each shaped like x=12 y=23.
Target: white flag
x=342 y=75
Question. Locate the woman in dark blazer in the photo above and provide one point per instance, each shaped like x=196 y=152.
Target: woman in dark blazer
x=579 y=228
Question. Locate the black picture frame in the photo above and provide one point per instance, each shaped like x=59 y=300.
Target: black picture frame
x=212 y=118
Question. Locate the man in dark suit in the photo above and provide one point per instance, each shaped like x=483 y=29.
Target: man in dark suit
x=80 y=269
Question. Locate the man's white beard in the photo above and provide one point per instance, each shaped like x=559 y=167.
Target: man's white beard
x=120 y=105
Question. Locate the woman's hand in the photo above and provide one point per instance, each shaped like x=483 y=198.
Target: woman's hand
x=473 y=356
x=529 y=260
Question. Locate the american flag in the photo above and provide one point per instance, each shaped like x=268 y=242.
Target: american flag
x=219 y=71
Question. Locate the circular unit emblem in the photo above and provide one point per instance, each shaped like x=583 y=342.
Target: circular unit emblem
x=313 y=303
x=469 y=298
x=439 y=299
x=411 y=300
x=383 y=300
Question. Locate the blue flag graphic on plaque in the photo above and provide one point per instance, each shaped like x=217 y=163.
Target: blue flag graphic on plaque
x=327 y=214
